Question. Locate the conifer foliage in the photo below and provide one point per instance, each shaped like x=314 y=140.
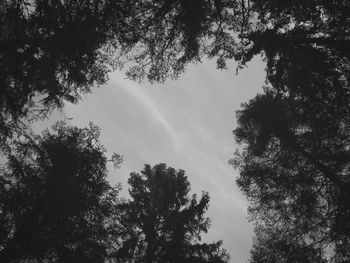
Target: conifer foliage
x=164 y=221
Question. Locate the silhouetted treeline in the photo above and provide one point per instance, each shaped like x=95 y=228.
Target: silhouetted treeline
x=295 y=170
x=56 y=205
x=294 y=166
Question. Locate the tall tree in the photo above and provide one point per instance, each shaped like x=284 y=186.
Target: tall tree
x=56 y=204
x=294 y=169
x=163 y=223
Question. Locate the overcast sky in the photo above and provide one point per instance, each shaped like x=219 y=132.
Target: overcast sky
x=186 y=124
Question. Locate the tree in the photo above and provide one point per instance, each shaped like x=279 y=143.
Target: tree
x=294 y=169
x=163 y=223
x=51 y=51
x=56 y=204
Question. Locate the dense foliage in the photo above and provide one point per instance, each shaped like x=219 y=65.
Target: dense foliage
x=51 y=51
x=295 y=170
x=56 y=204
x=164 y=223
x=294 y=167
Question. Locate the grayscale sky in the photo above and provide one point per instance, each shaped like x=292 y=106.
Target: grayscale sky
x=186 y=124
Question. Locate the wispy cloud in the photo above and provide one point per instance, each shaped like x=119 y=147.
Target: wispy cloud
x=136 y=91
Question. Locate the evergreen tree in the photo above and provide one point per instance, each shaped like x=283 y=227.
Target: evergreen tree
x=163 y=223
x=56 y=204
x=294 y=169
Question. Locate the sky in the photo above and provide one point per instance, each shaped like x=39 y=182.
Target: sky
x=185 y=123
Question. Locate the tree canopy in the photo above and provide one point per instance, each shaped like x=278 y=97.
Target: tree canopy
x=294 y=163
x=163 y=222
x=52 y=51
x=56 y=204
x=294 y=169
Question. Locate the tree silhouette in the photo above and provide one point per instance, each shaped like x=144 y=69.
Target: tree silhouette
x=294 y=168
x=163 y=223
x=56 y=204
x=51 y=51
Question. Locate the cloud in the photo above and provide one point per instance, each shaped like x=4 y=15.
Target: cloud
x=136 y=91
